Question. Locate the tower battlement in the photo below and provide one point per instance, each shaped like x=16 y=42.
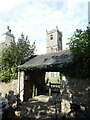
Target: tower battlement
x=53 y=30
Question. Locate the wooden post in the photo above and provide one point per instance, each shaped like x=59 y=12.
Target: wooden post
x=60 y=77
x=49 y=89
x=33 y=92
x=36 y=92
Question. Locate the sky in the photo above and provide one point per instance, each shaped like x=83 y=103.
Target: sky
x=34 y=17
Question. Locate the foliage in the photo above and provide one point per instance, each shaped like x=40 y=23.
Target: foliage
x=14 y=55
x=24 y=48
x=5 y=75
x=80 y=49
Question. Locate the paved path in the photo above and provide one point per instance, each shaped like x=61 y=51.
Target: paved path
x=41 y=107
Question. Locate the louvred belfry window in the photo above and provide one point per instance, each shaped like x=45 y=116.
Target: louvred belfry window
x=51 y=37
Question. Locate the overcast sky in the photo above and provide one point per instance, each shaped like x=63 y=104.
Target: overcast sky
x=33 y=17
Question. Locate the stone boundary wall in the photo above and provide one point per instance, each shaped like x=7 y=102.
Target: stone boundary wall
x=6 y=87
x=80 y=90
x=76 y=91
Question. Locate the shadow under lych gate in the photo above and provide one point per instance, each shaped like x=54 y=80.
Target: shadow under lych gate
x=41 y=110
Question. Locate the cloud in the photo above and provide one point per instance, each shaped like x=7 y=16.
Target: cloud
x=7 y=5
x=33 y=18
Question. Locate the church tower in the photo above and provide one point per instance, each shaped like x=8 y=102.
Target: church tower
x=54 y=40
x=6 y=39
x=54 y=44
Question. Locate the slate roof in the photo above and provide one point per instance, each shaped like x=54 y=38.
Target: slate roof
x=9 y=34
x=60 y=57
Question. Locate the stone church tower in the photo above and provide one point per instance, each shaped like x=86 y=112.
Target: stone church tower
x=54 y=44
x=7 y=38
x=54 y=40
x=5 y=41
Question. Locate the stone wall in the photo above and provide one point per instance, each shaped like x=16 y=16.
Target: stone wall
x=80 y=90
x=6 y=87
x=75 y=91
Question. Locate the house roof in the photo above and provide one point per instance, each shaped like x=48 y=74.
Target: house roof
x=60 y=57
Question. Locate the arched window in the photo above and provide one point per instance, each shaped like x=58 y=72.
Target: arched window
x=51 y=37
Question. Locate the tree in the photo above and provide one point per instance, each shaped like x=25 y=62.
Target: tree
x=80 y=49
x=24 y=48
x=14 y=55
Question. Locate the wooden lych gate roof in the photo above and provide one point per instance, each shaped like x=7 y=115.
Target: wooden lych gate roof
x=50 y=59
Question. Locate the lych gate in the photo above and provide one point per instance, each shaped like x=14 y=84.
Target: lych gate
x=31 y=75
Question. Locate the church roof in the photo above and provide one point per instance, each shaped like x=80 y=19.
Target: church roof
x=43 y=60
x=9 y=34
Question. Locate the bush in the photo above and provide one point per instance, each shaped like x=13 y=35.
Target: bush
x=5 y=76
